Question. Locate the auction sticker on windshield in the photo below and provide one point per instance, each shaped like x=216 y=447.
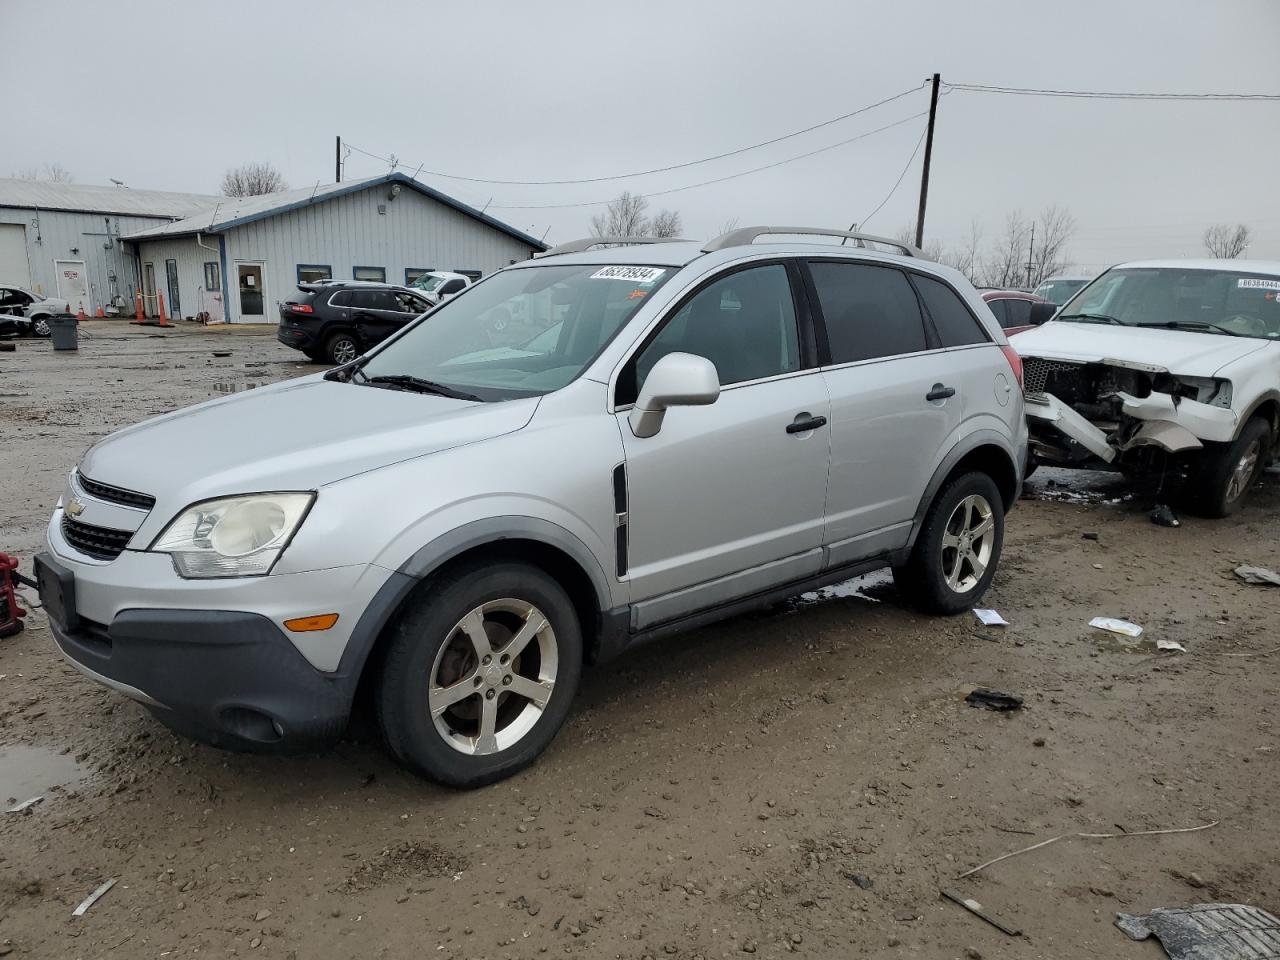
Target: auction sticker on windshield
x=1257 y=283
x=630 y=274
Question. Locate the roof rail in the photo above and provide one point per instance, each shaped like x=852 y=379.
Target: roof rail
x=586 y=243
x=746 y=235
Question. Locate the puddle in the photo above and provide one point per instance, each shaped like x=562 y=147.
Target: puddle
x=870 y=586
x=27 y=771
x=223 y=386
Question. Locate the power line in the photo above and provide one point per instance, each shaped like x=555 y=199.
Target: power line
x=1107 y=94
x=897 y=183
x=705 y=183
x=640 y=173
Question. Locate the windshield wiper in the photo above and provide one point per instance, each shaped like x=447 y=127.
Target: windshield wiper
x=404 y=381
x=1091 y=318
x=1193 y=325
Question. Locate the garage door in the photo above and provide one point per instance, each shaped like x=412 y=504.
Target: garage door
x=14 y=267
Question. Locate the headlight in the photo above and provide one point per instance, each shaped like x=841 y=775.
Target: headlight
x=233 y=536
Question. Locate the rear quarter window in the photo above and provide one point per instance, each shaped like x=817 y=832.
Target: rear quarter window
x=955 y=324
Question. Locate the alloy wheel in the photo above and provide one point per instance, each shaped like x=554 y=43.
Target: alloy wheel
x=40 y=326
x=1242 y=473
x=344 y=351
x=493 y=676
x=967 y=543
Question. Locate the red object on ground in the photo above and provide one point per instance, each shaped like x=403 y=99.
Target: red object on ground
x=10 y=613
x=163 y=321
x=137 y=298
x=99 y=314
x=80 y=315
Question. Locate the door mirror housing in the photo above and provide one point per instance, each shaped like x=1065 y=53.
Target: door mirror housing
x=1040 y=312
x=677 y=380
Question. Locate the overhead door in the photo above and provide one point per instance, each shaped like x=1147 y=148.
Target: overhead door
x=14 y=268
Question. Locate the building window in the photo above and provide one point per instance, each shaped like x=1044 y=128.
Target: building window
x=212 y=275
x=314 y=272
x=376 y=274
x=411 y=274
x=473 y=274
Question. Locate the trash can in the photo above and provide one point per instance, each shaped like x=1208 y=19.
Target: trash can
x=63 y=332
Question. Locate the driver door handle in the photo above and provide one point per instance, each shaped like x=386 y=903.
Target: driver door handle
x=804 y=423
x=940 y=392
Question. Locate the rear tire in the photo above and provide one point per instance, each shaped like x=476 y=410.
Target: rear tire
x=958 y=549
x=342 y=347
x=471 y=657
x=1227 y=470
x=40 y=327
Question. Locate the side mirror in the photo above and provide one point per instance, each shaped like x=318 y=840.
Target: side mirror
x=1040 y=312
x=677 y=380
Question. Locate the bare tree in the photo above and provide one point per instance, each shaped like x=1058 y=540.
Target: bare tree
x=728 y=226
x=666 y=224
x=1226 y=242
x=624 y=218
x=965 y=257
x=252 y=179
x=1005 y=262
x=1054 y=231
x=53 y=172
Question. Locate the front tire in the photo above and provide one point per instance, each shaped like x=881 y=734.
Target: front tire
x=480 y=674
x=958 y=549
x=1227 y=471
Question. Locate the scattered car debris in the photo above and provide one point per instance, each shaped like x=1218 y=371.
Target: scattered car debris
x=25 y=805
x=1114 y=625
x=993 y=700
x=8 y=348
x=1258 y=575
x=1089 y=536
x=222 y=353
x=93 y=898
x=1163 y=516
x=974 y=907
x=1170 y=645
x=1208 y=931
x=990 y=617
x=1086 y=836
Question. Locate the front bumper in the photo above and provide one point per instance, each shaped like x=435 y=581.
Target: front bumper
x=230 y=678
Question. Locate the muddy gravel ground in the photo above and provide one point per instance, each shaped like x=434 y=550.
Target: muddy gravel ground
x=804 y=780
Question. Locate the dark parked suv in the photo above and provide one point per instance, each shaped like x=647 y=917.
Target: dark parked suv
x=337 y=320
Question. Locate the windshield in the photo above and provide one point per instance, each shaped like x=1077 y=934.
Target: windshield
x=1059 y=292
x=522 y=332
x=428 y=282
x=1225 y=302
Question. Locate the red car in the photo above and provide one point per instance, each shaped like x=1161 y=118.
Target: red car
x=1018 y=311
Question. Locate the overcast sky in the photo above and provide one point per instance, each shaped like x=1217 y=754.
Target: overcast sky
x=167 y=95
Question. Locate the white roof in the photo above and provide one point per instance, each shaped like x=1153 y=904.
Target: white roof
x=1230 y=266
x=92 y=198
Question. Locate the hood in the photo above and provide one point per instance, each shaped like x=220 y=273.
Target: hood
x=297 y=435
x=1177 y=351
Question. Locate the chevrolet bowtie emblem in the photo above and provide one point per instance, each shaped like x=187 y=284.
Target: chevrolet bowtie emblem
x=74 y=507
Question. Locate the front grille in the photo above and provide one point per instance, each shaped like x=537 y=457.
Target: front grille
x=102 y=543
x=104 y=491
x=1035 y=372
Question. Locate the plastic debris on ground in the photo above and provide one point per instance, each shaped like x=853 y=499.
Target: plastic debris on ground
x=25 y=805
x=1209 y=931
x=1113 y=625
x=990 y=618
x=974 y=907
x=1258 y=575
x=993 y=700
x=93 y=898
x=1163 y=516
x=1170 y=645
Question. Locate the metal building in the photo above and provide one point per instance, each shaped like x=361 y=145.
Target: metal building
x=63 y=239
x=236 y=259
x=240 y=259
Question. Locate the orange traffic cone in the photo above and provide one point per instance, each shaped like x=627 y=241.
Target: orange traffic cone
x=99 y=314
x=80 y=314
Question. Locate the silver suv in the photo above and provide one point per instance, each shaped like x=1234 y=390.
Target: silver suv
x=581 y=453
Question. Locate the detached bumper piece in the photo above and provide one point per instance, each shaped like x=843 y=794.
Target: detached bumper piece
x=229 y=679
x=1046 y=408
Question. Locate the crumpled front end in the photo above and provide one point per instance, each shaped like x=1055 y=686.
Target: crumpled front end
x=1115 y=410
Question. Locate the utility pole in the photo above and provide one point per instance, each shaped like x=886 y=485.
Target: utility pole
x=337 y=159
x=928 y=156
x=1031 y=254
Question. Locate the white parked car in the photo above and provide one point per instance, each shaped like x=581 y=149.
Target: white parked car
x=33 y=310
x=1060 y=289
x=440 y=285
x=1173 y=359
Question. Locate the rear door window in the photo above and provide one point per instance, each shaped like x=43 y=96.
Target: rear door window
x=1019 y=313
x=869 y=311
x=955 y=325
x=366 y=299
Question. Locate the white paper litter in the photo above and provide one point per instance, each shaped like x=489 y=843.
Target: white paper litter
x=1170 y=645
x=990 y=618
x=25 y=804
x=93 y=898
x=1112 y=625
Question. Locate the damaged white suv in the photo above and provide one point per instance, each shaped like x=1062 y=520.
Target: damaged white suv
x=1158 y=364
